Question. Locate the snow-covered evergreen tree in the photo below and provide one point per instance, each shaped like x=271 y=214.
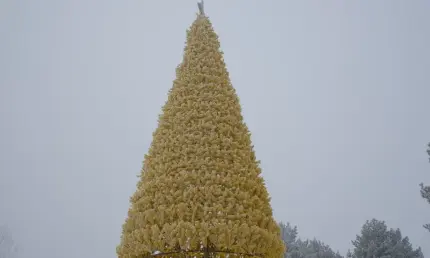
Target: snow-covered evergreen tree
x=297 y=248
x=425 y=191
x=289 y=236
x=376 y=241
x=8 y=247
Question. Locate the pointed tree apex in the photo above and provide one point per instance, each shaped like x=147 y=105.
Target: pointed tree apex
x=201 y=7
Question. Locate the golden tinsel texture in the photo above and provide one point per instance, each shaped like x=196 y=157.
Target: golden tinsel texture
x=200 y=184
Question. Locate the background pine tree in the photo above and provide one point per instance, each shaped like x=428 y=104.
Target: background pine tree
x=200 y=185
x=377 y=241
x=298 y=248
x=8 y=248
x=425 y=191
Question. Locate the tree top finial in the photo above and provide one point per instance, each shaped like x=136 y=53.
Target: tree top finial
x=201 y=7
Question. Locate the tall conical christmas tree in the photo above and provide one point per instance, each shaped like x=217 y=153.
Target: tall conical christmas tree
x=200 y=190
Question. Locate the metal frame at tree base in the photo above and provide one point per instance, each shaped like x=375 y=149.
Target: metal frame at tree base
x=203 y=254
x=208 y=252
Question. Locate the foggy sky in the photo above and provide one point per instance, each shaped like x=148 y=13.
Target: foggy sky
x=335 y=93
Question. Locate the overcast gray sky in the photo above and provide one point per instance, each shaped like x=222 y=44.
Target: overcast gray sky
x=336 y=94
